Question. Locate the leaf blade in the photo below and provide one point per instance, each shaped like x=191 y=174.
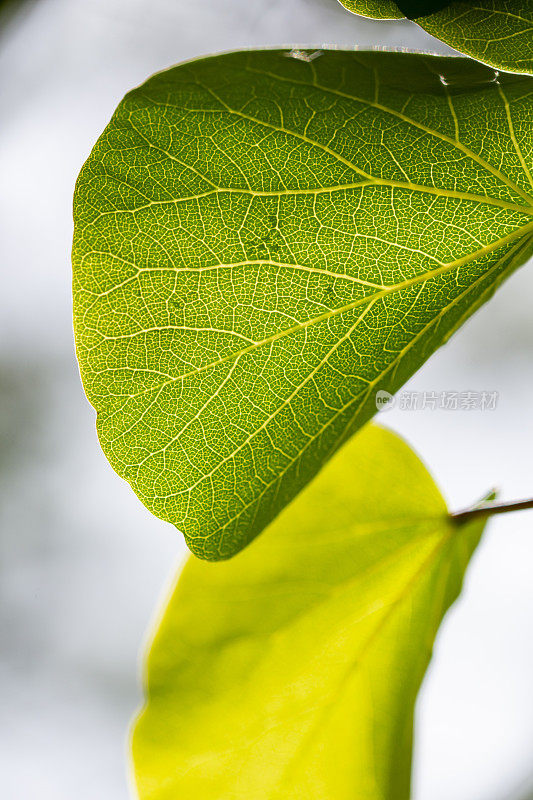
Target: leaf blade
x=292 y=670
x=234 y=313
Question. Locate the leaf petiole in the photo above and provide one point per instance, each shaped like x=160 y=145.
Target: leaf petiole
x=489 y=509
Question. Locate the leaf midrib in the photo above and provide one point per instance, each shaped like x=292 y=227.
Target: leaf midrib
x=341 y=187
x=519 y=232
x=371 y=179
x=404 y=118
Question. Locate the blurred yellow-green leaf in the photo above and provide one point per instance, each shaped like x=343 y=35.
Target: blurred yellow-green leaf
x=291 y=671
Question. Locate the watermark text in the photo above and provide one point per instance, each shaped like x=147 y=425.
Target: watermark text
x=467 y=400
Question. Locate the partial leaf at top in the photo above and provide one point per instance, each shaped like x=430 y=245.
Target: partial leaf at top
x=496 y=32
x=291 y=671
x=264 y=240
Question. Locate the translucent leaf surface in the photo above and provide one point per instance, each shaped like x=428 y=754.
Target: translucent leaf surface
x=496 y=32
x=291 y=671
x=264 y=240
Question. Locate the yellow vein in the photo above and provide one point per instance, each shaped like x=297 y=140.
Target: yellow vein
x=513 y=137
x=409 y=121
x=482 y=251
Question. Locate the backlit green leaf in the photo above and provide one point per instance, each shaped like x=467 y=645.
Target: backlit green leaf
x=264 y=240
x=496 y=32
x=291 y=671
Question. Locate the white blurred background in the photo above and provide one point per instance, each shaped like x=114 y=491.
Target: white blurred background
x=83 y=565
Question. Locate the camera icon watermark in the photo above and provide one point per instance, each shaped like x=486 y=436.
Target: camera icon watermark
x=467 y=400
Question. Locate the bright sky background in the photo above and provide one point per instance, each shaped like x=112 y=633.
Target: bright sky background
x=82 y=563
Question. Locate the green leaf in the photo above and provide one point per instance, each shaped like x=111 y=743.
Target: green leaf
x=263 y=242
x=292 y=670
x=375 y=9
x=496 y=32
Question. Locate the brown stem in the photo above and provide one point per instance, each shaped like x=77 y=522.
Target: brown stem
x=488 y=509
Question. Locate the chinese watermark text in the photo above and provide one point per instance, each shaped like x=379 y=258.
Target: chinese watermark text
x=438 y=401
